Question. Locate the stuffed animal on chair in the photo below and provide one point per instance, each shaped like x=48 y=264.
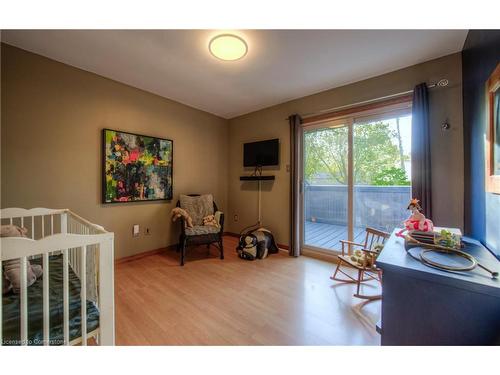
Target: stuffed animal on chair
x=12 y=267
x=178 y=212
x=367 y=259
x=210 y=220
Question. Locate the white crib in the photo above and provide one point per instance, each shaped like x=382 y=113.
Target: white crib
x=87 y=252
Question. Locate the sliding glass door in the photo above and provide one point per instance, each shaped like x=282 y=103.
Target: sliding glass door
x=382 y=173
x=326 y=196
x=356 y=174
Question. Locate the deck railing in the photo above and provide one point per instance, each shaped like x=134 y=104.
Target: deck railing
x=382 y=207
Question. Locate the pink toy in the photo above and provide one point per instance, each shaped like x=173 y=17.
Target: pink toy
x=417 y=220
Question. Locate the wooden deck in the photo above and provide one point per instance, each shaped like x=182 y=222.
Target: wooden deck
x=327 y=236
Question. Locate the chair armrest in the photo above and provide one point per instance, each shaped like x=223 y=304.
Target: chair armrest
x=352 y=243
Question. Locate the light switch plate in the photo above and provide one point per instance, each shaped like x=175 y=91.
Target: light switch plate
x=135 y=230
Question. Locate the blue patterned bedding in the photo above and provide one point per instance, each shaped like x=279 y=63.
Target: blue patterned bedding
x=11 y=304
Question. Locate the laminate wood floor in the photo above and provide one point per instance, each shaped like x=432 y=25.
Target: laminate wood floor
x=280 y=300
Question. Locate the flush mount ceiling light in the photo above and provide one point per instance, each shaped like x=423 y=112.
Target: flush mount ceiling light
x=228 y=47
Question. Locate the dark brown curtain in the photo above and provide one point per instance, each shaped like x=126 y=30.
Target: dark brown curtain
x=421 y=149
x=295 y=184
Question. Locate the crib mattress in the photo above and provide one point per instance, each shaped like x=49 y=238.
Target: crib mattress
x=11 y=305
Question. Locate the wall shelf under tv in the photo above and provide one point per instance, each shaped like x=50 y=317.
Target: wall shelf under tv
x=256 y=178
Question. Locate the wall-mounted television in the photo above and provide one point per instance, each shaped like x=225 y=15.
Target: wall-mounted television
x=263 y=153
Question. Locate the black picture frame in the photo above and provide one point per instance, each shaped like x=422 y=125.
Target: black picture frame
x=104 y=199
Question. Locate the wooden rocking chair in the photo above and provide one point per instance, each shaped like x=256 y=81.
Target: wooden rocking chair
x=366 y=272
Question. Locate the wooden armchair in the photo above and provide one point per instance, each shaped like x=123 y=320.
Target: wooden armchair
x=200 y=234
x=366 y=270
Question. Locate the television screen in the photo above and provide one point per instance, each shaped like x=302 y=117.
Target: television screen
x=261 y=153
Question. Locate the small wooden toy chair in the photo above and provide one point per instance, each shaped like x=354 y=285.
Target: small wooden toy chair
x=366 y=270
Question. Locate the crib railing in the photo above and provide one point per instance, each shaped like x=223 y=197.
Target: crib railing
x=86 y=247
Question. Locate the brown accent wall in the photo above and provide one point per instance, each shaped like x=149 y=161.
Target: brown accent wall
x=52 y=115
x=446 y=147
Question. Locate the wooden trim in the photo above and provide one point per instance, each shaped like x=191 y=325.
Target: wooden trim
x=321 y=255
x=404 y=99
x=143 y=254
x=492 y=181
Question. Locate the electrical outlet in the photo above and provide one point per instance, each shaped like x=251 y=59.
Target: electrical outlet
x=236 y=217
x=136 y=230
x=148 y=231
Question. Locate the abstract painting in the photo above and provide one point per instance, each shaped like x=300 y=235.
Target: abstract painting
x=136 y=167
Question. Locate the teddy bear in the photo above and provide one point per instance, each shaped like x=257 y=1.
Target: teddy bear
x=178 y=212
x=366 y=259
x=12 y=268
x=210 y=220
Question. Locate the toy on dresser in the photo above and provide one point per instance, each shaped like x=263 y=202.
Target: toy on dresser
x=440 y=248
x=417 y=220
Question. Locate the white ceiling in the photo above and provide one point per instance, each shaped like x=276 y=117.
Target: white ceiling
x=281 y=64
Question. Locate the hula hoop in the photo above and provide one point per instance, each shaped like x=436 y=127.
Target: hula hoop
x=470 y=258
x=428 y=247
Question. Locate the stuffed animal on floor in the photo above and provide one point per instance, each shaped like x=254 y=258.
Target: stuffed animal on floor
x=210 y=220
x=366 y=259
x=178 y=212
x=256 y=244
x=12 y=267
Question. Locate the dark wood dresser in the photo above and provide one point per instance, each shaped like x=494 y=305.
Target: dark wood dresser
x=426 y=306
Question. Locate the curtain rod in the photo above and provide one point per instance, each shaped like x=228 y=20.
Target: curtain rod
x=441 y=83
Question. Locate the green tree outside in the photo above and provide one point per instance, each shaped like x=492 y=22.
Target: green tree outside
x=377 y=159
